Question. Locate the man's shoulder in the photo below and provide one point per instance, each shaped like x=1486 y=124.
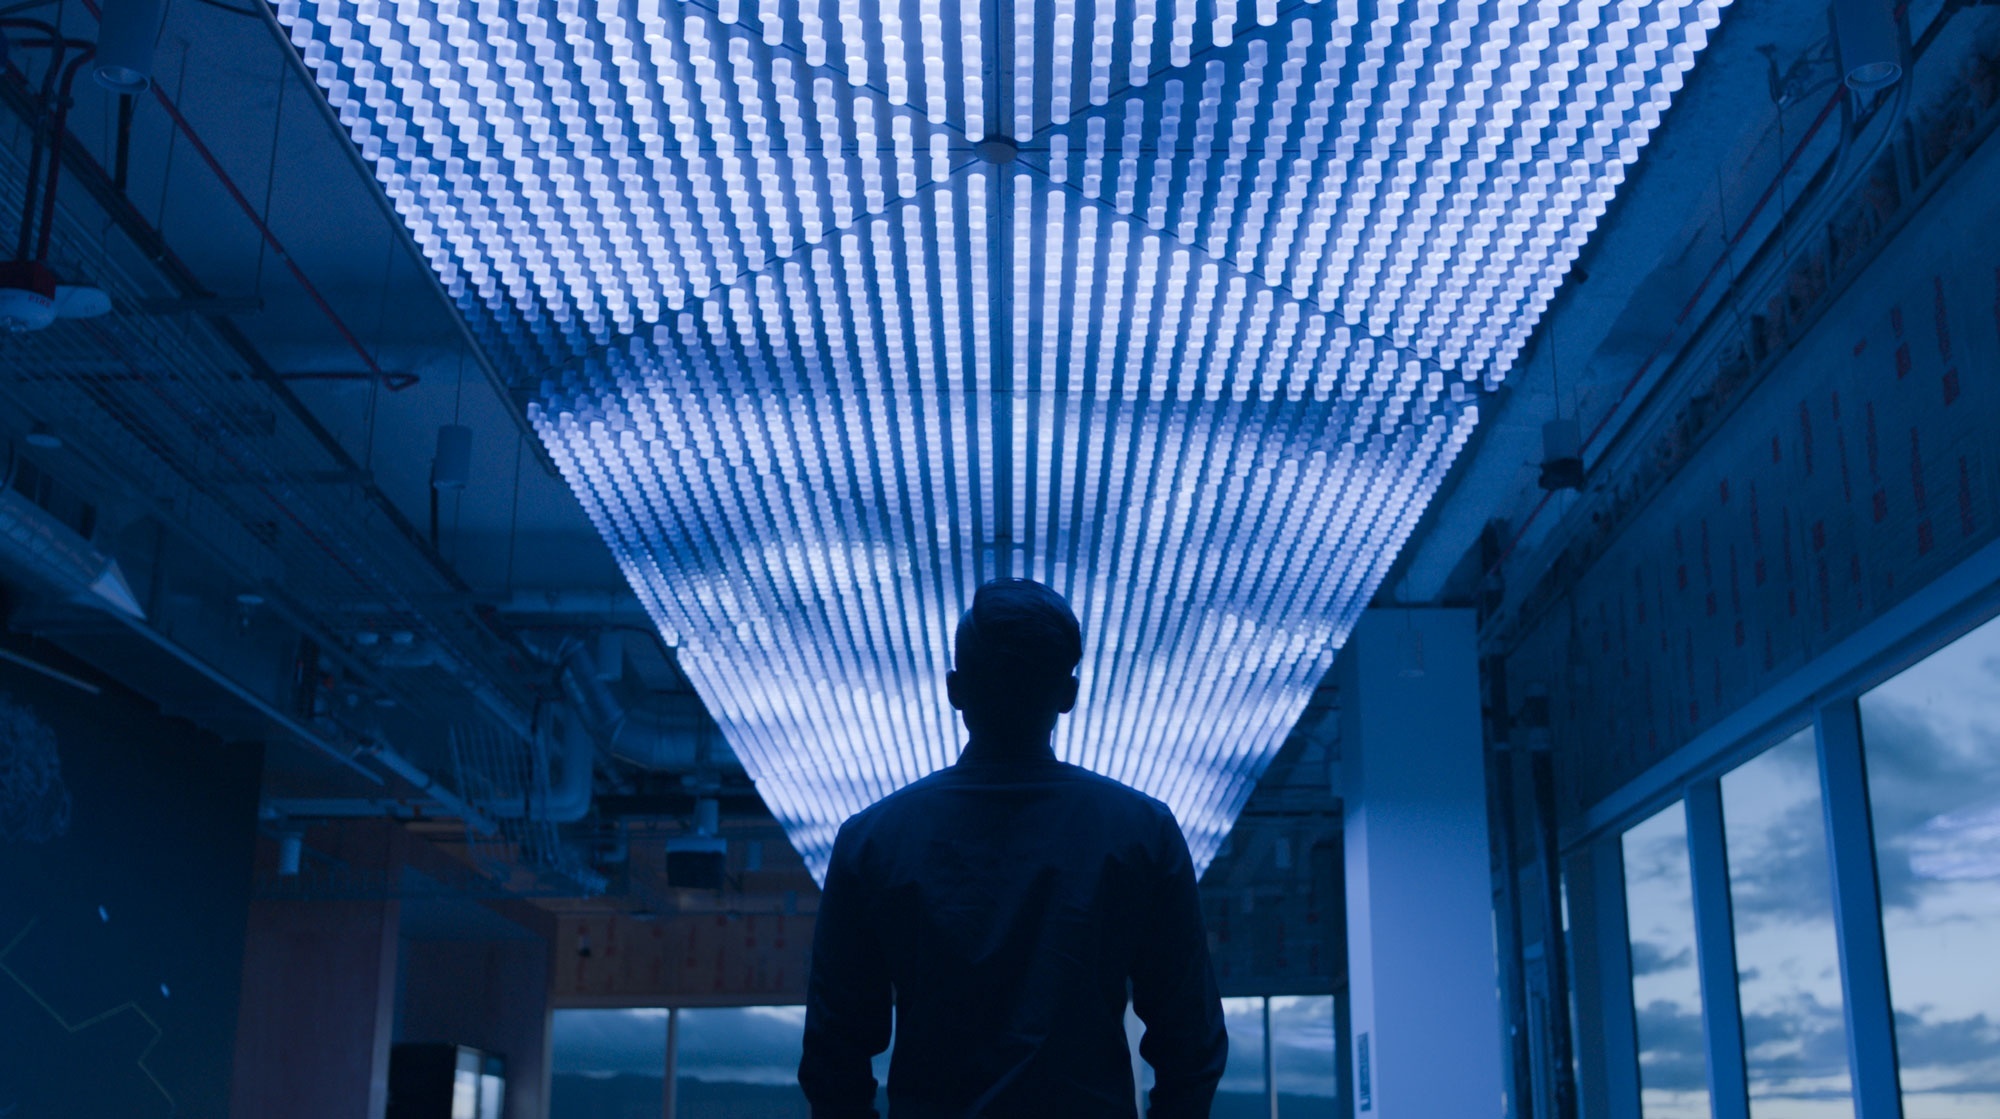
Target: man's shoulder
x=1113 y=790
x=1108 y=793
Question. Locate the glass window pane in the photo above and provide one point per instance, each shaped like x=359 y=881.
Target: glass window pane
x=742 y=1060
x=1787 y=953
x=1933 y=746
x=1666 y=988
x=607 y=1064
x=1142 y=1073
x=1243 y=1078
x=1302 y=1054
x=1242 y=1090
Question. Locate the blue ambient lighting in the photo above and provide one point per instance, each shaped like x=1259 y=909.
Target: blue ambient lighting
x=1199 y=357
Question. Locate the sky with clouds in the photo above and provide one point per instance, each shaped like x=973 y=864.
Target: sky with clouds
x=1933 y=739
x=1933 y=750
x=761 y=1044
x=1932 y=736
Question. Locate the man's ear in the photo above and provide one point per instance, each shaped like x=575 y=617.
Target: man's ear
x=951 y=690
x=1066 y=694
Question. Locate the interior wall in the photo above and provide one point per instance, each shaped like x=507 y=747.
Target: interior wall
x=1865 y=464
x=715 y=959
x=489 y=994
x=124 y=884
x=319 y=992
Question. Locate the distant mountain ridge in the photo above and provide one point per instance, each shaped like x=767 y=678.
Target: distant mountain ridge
x=624 y=1096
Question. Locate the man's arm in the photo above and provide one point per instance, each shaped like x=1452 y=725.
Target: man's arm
x=847 y=996
x=1174 y=993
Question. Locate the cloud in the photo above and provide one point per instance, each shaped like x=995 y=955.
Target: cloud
x=1963 y=845
x=751 y=1045
x=1957 y=1043
x=605 y=1042
x=1781 y=874
x=1649 y=958
x=1671 y=1048
x=1802 y=1039
x=1919 y=770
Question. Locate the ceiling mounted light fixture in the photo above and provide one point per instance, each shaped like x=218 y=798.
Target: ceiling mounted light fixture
x=1869 y=43
x=125 y=35
x=1190 y=325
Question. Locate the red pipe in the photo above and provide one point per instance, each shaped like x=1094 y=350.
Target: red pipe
x=394 y=382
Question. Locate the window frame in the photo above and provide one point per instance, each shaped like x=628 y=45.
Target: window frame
x=1822 y=694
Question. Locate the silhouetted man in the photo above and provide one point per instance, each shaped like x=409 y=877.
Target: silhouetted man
x=1003 y=905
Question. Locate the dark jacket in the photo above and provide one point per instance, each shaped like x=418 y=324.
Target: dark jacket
x=1003 y=907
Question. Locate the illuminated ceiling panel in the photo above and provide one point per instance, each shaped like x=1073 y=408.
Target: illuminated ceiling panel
x=1195 y=345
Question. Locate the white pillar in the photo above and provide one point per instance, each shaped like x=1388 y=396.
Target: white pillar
x=1421 y=972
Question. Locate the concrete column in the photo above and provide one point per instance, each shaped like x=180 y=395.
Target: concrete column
x=1420 y=955
x=319 y=996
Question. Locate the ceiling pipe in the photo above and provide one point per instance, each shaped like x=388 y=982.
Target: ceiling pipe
x=92 y=176
x=119 y=209
x=280 y=809
x=568 y=798
x=384 y=755
x=1847 y=167
x=665 y=736
x=249 y=698
x=667 y=740
x=500 y=384
x=395 y=382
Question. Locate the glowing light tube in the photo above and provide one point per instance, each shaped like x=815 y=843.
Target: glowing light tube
x=815 y=366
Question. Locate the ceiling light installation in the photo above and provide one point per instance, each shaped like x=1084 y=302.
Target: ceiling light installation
x=816 y=364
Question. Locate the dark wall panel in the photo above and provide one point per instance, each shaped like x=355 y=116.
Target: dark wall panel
x=121 y=927
x=1865 y=464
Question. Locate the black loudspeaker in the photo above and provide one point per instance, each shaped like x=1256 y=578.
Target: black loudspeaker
x=695 y=870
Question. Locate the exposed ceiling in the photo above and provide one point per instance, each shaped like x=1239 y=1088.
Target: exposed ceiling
x=296 y=294
x=837 y=318
x=1739 y=182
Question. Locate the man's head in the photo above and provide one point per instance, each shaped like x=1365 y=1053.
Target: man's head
x=1017 y=652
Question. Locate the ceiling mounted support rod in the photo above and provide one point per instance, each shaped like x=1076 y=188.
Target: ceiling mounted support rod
x=394 y=382
x=48 y=124
x=501 y=385
x=255 y=702
x=92 y=176
x=1688 y=308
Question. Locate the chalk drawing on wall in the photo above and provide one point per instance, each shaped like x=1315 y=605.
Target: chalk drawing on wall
x=86 y=1024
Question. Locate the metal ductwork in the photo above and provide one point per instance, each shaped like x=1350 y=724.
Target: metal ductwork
x=666 y=735
x=42 y=548
x=575 y=758
x=555 y=787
